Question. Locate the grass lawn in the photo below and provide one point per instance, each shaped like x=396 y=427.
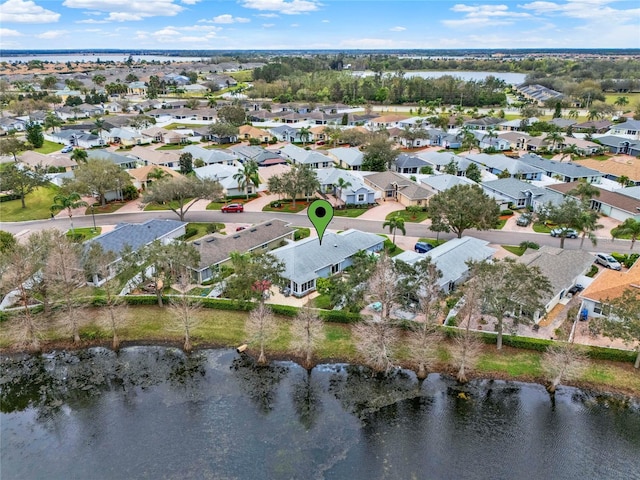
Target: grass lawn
x=49 y=147
x=37 y=202
x=174 y=147
x=611 y=98
x=152 y=207
x=391 y=249
x=287 y=207
x=432 y=241
x=514 y=249
x=87 y=232
x=322 y=301
x=242 y=76
x=502 y=223
x=408 y=216
x=180 y=126
x=541 y=228
x=349 y=212
x=108 y=208
x=219 y=205
x=513 y=362
x=301 y=232
x=202 y=227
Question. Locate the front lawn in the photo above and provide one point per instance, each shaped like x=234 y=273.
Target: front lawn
x=83 y=234
x=514 y=249
x=110 y=207
x=38 y=204
x=178 y=146
x=218 y=205
x=152 y=207
x=202 y=229
x=286 y=206
x=415 y=217
x=49 y=147
x=390 y=248
x=349 y=212
x=541 y=228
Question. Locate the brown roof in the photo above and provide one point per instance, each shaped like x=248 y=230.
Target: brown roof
x=622 y=202
x=217 y=248
x=35 y=159
x=611 y=284
x=142 y=173
x=620 y=165
x=389 y=118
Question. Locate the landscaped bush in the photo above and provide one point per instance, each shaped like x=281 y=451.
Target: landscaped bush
x=613 y=354
x=8 y=198
x=592 y=271
x=284 y=310
x=189 y=232
x=338 y=316
x=506 y=213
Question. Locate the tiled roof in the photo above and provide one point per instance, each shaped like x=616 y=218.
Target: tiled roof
x=610 y=284
x=616 y=166
x=628 y=204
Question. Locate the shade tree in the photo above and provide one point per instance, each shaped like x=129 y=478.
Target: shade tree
x=177 y=193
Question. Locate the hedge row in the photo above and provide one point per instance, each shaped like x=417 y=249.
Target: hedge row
x=8 y=198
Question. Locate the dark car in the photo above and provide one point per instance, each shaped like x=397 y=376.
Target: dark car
x=233 y=208
x=575 y=289
x=423 y=247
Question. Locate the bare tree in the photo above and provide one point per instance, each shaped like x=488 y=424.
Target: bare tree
x=376 y=337
x=184 y=309
x=467 y=346
x=307 y=330
x=562 y=361
x=19 y=270
x=261 y=328
x=65 y=275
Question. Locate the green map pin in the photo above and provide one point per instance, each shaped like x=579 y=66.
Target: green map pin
x=320 y=212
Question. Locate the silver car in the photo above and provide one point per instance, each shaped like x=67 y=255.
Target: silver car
x=608 y=261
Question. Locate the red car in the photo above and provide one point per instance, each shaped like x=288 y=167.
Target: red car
x=233 y=207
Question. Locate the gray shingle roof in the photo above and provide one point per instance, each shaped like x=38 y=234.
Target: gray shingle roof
x=306 y=257
x=136 y=235
x=568 y=169
x=350 y=156
x=210 y=156
x=408 y=161
x=514 y=188
x=502 y=162
x=440 y=183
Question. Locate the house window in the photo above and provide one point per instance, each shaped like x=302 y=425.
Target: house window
x=306 y=286
x=335 y=268
x=295 y=287
x=361 y=197
x=601 y=309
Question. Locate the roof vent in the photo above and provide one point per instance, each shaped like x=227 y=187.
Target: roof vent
x=253 y=230
x=236 y=236
x=196 y=243
x=268 y=224
x=211 y=240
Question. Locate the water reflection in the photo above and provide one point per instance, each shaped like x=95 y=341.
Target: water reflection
x=152 y=412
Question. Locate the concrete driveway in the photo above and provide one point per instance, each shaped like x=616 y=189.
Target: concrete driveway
x=380 y=212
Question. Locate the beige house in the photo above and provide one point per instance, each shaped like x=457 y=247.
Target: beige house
x=159 y=158
x=246 y=132
x=395 y=187
x=46 y=162
x=142 y=177
x=609 y=284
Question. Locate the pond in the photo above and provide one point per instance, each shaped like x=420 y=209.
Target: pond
x=152 y=412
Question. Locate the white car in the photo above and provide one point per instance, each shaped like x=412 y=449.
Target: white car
x=608 y=261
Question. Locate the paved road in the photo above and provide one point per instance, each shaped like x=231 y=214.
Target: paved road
x=338 y=223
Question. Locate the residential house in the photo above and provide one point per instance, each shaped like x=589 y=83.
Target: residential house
x=261 y=156
x=620 y=145
x=306 y=157
x=386 y=121
x=211 y=156
x=396 y=187
x=439 y=160
x=487 y=141
x=609 y=284
x=357 y=193
x=563 y=267
x=633 y=192
x=307 y=260
x=612 y=204
x=225 y=174
x=408 y=164
x=247 y=132
x=35 y=160
x=520 y=194
x=616 y=168
x=285 y=133
x=122 y=161
x=517 y=124
x=141 y=179
x=345 y=157
x=517 y=140
x=564 y=171
x=9 y=124
x=563 y=123
x=583 y=147
x=158 y=158
x=452 y=259
x=595 y=126
x=484 y=123
x=497 y=164
x=168 y=137
x=538 y=93
x=440 y=183
x=126 y=137
x=135 y=236
x=216 y=249
x=137 y=88
x=76 y=138
x=629 y=127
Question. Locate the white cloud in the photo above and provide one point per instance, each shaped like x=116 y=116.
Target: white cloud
x=21 y=11
x=189 y=2
x=5 y=32
x=326 y=21
x=287 y=7
x=226 y=18
x=484 y=15
x=294 y=25
x=268 y=25
x=268 y=15
x=596 y=11
x=128 y=10
x=53 y=34
x=92 y=21
x=397 y=29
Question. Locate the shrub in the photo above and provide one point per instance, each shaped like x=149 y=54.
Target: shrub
x=592 y=271
x=338 y=316
x=189 y=232
x=301 y=233
x=506 y=213
x=284 y=310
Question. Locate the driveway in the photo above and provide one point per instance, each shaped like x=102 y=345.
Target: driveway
x=380 y=212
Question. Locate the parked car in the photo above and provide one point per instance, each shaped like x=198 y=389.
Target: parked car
x=233 y=208
x=524 y=220
x=575 y=289
x=608 y=261
x=239 y=229
x=564 y=232
x=67 y=149
x=423 y=247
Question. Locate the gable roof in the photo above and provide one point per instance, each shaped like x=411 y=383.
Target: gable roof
x=216 y=248
x=388 y=180
x=303 y=259
x=611 y=284
x=569 y=169
x=617 y=166
x=155 y=157
x=209 y=156
x=443 y=158
x=142 y=173
x=350 y=155
x=443 y=182
x=502 y=163
x=136 y=235
x=622 y=202
x=561 y=266
x=409 y=161
x=35 y=159
x=514 y=188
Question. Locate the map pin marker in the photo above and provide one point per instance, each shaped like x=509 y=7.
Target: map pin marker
x=320 y=212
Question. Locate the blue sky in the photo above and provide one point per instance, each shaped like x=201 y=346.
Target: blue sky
x=321 y=24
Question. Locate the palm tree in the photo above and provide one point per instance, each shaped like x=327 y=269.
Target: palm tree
x=621 y=102
x=79 y=155
x=68 y=202
x=594 y=115
x=569 y=151
x=157 y=174
x=573 y=114
x=623 y=180
x=99 y=124
x=248 y=174
x=395 y=223
x=584 y=191
x=630 y=227
x=304 y=134
x=340 y=185
x=587 y=225
x=555 y=138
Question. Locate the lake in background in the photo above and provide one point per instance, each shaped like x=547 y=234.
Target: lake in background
x=152 y=412
x=508 y=77
x=93 y=57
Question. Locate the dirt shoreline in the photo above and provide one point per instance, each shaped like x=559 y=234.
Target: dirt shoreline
x=620 y=393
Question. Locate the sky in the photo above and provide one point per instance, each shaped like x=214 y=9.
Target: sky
x=318 y=24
